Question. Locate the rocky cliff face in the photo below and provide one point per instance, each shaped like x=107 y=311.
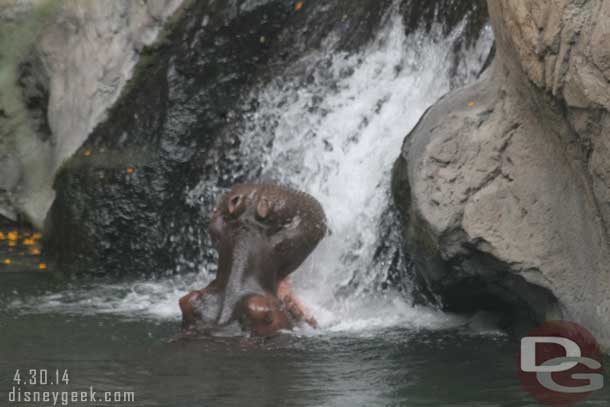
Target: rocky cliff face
x=126 y=201
x=504 y=184
x=124 y=204
x=64 y=64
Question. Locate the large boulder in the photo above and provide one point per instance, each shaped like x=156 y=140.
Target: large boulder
x=63 y=64
x=504 y=184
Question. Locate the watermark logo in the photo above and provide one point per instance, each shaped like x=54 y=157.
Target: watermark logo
x=560 y=363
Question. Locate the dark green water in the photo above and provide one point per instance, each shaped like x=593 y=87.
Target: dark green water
x=391 y=367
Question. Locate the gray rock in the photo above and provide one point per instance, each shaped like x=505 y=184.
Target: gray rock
x=503 y=185
x=69 y=65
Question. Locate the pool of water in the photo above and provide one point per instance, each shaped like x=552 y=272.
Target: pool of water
x=390 y=366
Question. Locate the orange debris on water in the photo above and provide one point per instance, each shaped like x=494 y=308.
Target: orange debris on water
x=12 y=243
x=35 y=251
x=87 y=153
x=13 y=236
x=471 y=104
x=8 y=262
x=298 y=5
x=42 y=266
x=29 y=242
x=130 y=170
x=2 y=237
x=37 y=236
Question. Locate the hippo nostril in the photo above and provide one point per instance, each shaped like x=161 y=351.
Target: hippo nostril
x=263 y=208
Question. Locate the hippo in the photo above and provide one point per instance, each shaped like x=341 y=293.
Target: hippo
x=263 y=233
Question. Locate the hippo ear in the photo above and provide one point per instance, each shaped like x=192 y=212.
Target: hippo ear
x=263 y=208
x=234 y=204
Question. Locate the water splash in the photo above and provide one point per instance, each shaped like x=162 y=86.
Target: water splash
x=331 y=125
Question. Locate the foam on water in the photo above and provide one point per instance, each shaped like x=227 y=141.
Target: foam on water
x=332 y=125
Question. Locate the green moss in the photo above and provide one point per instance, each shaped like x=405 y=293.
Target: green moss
x=149 y=56
x=174 y=20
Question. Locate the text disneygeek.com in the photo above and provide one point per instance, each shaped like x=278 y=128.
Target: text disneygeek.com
x=23 y=393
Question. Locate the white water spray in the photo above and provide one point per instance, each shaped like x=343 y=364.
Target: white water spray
x=332 y=125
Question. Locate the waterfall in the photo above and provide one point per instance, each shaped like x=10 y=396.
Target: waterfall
x=332 y=125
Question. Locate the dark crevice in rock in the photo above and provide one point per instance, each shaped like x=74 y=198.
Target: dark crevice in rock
x=396 y=267
x=490 y=57
x=34 y=83
x=480 y=282
x=516 y=315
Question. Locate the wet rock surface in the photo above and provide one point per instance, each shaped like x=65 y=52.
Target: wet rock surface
x=21 y=248
x=124 y=203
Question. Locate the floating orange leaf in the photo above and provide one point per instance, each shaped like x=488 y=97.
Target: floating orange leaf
x=29 y=242
x=12 y=243
x=42 y=266
x=87 y=153
x=8 y=262
x=130 y=170
x=37 y=236
x=2 y=237
x=471 y=104
x=299 y=5
x=35 y=251
x=13 y=236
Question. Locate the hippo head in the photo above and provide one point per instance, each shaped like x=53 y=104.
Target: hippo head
x=262 y=233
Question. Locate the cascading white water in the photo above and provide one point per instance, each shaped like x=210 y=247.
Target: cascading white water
x=335 y=133
x=331 y=125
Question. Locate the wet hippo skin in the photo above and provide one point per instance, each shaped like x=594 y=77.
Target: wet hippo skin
x=263 y=233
